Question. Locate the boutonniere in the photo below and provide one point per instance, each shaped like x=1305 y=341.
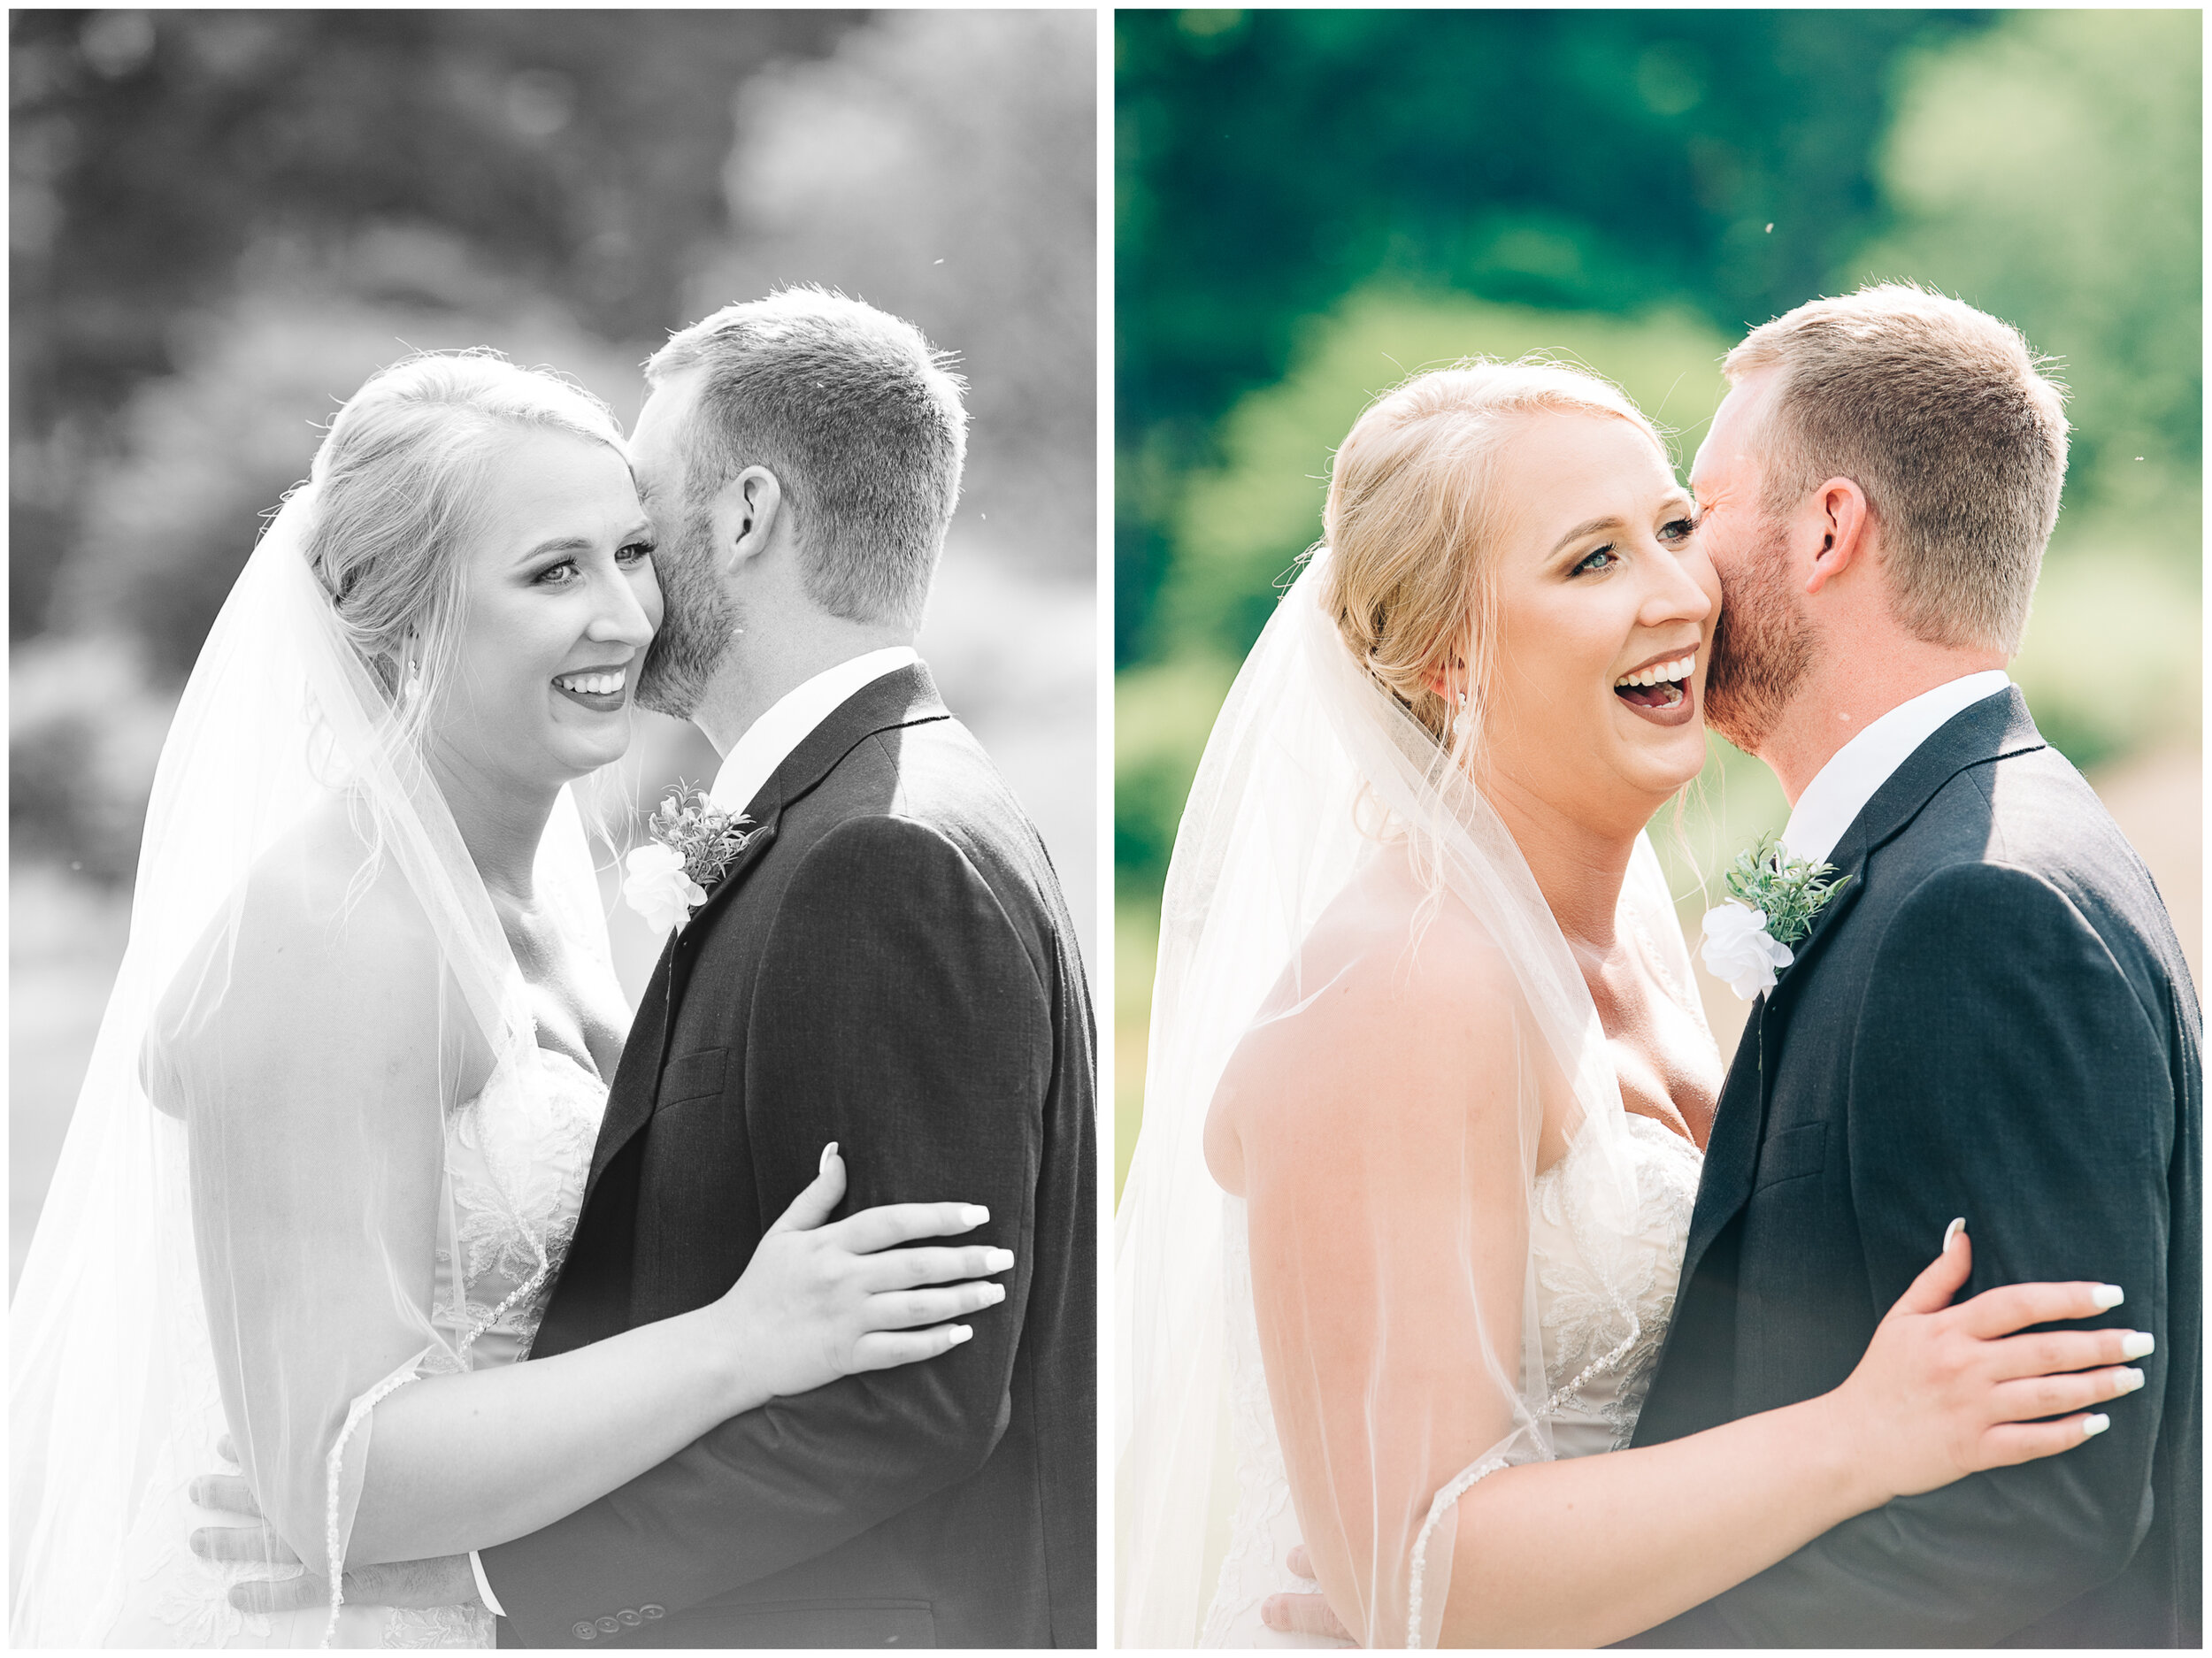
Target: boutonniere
x=1773 y=899
x=694 y=841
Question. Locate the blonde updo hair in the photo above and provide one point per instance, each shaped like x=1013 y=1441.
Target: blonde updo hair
x=399 y=484
x=1412 y=522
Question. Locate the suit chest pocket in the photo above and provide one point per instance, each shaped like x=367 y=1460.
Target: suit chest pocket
x=1792 y=1155
x=696 y=1076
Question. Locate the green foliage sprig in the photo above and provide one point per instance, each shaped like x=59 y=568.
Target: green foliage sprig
x=1789 y=891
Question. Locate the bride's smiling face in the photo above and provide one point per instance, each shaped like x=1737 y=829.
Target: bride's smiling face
x=1604 y=608
x=559 y=601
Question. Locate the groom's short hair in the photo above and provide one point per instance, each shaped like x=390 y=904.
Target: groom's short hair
x=859 y=418
x=1939 y=413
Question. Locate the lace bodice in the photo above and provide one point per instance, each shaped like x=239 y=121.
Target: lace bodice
x=517 y=1156
x=516 y=1159
x=1609 y=1323
x=1604 y=1294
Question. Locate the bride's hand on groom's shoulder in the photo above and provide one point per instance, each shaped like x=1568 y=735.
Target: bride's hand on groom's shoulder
x=1944 y=1391
x=822 y=1299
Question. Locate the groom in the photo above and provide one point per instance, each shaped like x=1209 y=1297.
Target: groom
x=888 y=963
x=1991 y=1018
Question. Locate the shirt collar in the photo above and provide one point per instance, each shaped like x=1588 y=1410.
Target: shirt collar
x=1841 y=789
x=768 y=742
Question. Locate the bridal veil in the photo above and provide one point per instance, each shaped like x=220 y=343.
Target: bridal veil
x=250 y=1230
x=1314 y=773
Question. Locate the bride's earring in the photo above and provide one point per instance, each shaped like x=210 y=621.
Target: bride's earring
x=412 y=688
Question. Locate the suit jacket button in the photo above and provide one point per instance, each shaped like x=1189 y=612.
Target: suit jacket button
x=650 y=1610
x=583 y=1631
x=627 y=1619
x=608 y=1626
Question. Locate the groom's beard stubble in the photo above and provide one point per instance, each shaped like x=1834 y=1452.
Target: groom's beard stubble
x=1763 y=647
x=700 y=623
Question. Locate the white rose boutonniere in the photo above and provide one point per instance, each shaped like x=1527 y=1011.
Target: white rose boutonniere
x=1774 y=898
x=1739 y=950
x=657 y=888
x=694 y=840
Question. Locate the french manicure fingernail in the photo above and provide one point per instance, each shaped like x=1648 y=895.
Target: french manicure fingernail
x=2092 y=1425
x=2106 y=1295
x=1000 y=1260
x=1951 y=1232
x=2137 y=1343
x=974 y=1214
x=2130 y=1380
x=997 y=1293
x=960 y=1332
x=829 y=1152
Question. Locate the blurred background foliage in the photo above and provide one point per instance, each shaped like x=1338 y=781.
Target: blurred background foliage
x=1312 y=204
x=223 y=222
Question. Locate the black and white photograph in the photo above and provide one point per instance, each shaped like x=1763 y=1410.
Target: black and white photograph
x=554 y=893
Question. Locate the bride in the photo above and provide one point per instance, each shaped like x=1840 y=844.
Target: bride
x=1428 y=1081
x=339 y=1119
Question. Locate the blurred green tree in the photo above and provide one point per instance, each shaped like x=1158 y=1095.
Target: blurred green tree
x=2052 y=171
x=1269 y=162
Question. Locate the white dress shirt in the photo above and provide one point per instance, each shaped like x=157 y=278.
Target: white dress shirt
x=752 y=760
x=769 y=741
x=483 y=1587
x=1841 y=789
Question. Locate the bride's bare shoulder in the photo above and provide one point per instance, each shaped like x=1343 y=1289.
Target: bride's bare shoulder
x=1399 y=1002
x=326 y=897
x=321 y=946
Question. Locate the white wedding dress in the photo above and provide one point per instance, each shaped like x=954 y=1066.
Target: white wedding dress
x=1325 y=834
x=517 y=1156
x=1602 y=1330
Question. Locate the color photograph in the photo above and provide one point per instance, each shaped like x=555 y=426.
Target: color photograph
x=1658 y=828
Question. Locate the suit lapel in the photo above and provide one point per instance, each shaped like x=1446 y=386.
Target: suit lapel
x=1731 y=1155
x=1845 y=886
x=907 y=696
x=1990 y=729
x=630 y=1096
x=1734 y=1148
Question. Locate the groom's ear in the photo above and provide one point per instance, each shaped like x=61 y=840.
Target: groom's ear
x=746 y=517
x=1846 y=524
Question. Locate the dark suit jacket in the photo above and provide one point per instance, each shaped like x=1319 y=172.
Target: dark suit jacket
x=888 y=964
x=1991 y=1020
